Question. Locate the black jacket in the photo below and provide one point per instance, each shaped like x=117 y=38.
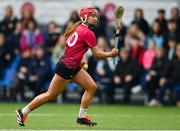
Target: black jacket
x=142 y=24
x=173 y=71
x=129 y=67
x=41 y=67
x=7 y=25
x=159 y=65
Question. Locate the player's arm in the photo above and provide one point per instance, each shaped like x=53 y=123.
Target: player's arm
x=101 y=54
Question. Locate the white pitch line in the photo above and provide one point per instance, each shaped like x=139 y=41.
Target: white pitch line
x=80 y=130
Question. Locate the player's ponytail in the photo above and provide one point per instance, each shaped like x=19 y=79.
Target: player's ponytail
x=71 y=29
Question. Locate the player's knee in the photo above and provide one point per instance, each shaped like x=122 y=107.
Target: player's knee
x=50 y=96
x=93 y=87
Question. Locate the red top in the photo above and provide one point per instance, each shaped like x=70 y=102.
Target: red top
x=137 y=54
x=76 y=46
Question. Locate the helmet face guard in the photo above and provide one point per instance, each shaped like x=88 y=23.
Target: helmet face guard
x=86 y=12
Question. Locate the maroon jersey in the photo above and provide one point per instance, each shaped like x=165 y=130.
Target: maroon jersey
x=76 y=46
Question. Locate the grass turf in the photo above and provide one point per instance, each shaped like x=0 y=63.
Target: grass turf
x=109 y=117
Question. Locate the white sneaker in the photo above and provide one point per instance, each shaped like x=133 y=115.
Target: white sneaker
x=154 y=102
x=178 y=104
x=136 y=89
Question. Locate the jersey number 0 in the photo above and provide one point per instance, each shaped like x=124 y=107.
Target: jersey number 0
x=71 y=41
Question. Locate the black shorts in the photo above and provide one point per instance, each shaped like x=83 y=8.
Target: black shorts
x=67 y=73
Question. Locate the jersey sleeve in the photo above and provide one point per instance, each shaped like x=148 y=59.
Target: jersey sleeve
x=90 y=39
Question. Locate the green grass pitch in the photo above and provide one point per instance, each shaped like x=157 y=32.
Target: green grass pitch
x=109 y=117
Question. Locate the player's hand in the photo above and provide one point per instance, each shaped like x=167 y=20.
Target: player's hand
x=114 y=52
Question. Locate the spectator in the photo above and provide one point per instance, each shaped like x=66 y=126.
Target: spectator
x=175 y=16
x=156 y=35
x=58 y=50
x=14 y=38
x=31 y=37
x=126 y=73
x=149 y=56
x=140 y=21
x=7 y=25
x=22 y=77
x=137 y=51
x=110 y=36
x=40 y=70
x=175 y=76
x=162 y=21
x=154 y=75
x=74 y=17
x=173 y=30
x=171 y=51
x=27 y=15
x=104 y=73
x=100 y=30
x=6 y=54
x=133 y=30
x=51 y=36
x=172 y=78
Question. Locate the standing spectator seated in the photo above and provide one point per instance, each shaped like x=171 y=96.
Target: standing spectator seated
x=172 y=78
x=40 y=71
x=175 y=16
x=157 y=36
x=103 y=74
x=51 y=36
x=148 y=58
x=137 y=51
x=171 y=50
x=6 y=54
x=58 y=50
x=74 y=17
x=14 y=38
x=100 y=30
x=175 y=76
x=31 y=37
x=162 y=21
x=173 y=30
x=133 y=30
x=149 y=55
x=22 y=77
x=154 y=75
x=140 y=21
x=126 y=73
x=7 y=25
x=27 y=14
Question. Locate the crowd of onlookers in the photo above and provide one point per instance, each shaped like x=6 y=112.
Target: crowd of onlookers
x=149 y=55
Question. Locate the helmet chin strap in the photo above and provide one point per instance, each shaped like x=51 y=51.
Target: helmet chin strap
x=84 y=20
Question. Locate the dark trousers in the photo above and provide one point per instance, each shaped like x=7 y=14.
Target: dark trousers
x=152 y=85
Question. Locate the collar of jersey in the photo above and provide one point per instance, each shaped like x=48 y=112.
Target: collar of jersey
x=84 y=24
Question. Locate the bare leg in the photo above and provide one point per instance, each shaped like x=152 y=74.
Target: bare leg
x=84 y=80
x=56 y=87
